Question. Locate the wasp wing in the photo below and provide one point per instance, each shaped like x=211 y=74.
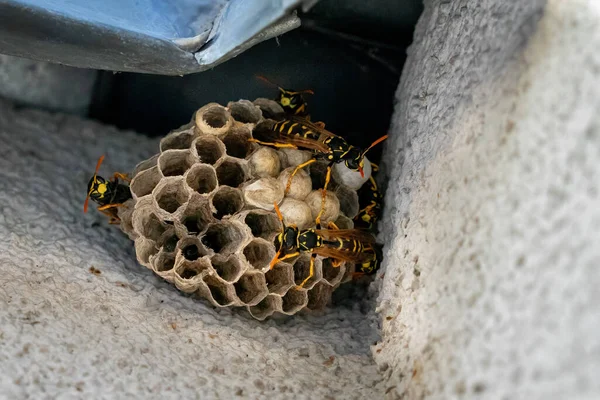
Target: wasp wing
x=266 y=136
x=312 y=126
x=362 y=235
x=343 y=255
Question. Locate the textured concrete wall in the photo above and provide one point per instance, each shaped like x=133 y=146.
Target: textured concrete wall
x=44 y=85
x=491 y=281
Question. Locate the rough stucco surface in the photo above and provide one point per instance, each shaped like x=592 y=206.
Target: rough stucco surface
x=49 y=86
x=491 y=280
x=124 y=332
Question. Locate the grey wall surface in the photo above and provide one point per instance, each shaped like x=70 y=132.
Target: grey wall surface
x=492 y=218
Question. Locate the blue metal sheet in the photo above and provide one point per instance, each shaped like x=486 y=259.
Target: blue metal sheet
x=172 y=37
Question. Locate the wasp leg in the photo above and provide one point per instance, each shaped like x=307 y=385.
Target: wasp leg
x=105 y=210
x=124 y=177
x=324 y=193
x=107 y=206
x=320 y=124
x=311 y=271
x=332 y=225
x=374 y=167
x=298 y=168
x=112 y=219
x=288 y=256
x=280 y=145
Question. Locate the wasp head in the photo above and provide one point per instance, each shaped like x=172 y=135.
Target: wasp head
x=97 y=188
x=355 y=160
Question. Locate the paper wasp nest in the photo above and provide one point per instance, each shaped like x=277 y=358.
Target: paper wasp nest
x=202 y=214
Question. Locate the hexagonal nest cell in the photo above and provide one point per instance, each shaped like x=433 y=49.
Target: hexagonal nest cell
x=201 y=178
x=227 y=201
x=193 y=225
x=223 y=238
x=231 y=173
x=259 y=253
x=171 y=195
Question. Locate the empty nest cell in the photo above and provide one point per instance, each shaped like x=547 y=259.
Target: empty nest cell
x=171 y=195
x=213 y=119
x=228 y=268
x=201 y=178
x=259 y=253
x=223 y=237
x=266 y=307
x=149 y=225
x=251 y=288
x=263 y=224
x=177 y=140
x=244 y=111
x=219 y=291
x=280 y=279
x=168 y=241
x=236 y=142
x=197 y=214
x=231 y=173
x=293 y=301
x=145 y=182
x=227 y=201
x=175 y=162
x=190 y=269
x=191 y=248
x=164 y=262
x=209 y=149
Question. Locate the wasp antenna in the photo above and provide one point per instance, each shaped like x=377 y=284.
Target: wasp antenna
x=381 y=139
x=87 y=198
x=99 y=164
x=262 y=78
x=309 y=91
x=85 y=204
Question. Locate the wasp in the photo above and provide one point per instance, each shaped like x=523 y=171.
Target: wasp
x=291 y=101
x=371 y=264
x=369 y=200
x=107 y=194
x=350 y=245
x=298 y=133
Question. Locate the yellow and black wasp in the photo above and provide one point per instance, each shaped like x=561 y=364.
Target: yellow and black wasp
x=369 y=200
x=107 y=194
x=292 y=101
x=298 y=133
x=341 y=245
x=371 y=265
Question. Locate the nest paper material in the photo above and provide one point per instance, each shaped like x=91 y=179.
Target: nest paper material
x=202 y=213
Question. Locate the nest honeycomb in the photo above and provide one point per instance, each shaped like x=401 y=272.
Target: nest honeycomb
x=202 y=213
